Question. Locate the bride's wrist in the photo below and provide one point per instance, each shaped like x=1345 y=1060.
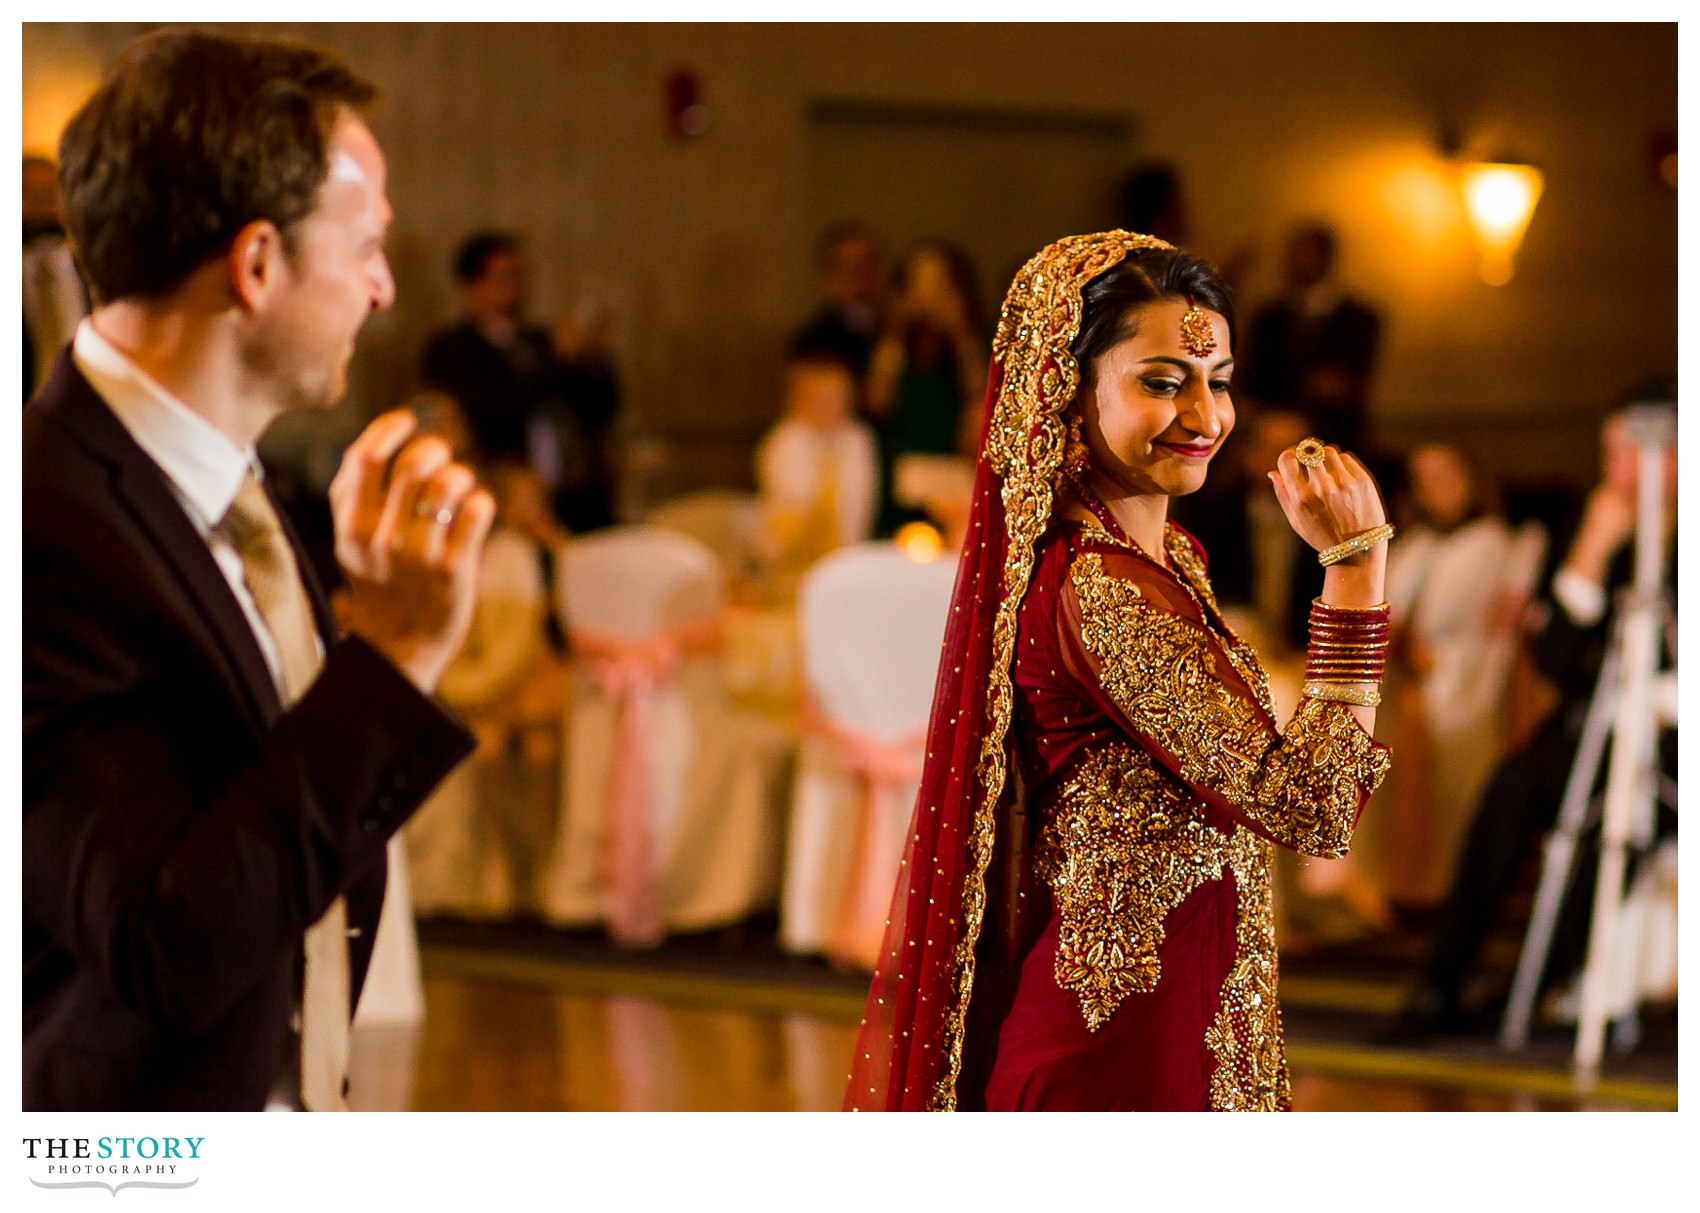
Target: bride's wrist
x=1358 y=582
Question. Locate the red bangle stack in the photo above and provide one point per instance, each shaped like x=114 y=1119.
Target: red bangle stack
x=1347 y=644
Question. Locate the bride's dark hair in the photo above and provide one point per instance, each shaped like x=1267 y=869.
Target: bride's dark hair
x=1145 y=276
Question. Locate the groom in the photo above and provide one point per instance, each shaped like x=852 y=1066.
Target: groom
x=210 y=770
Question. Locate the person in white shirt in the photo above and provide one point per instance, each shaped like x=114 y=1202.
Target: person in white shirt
x=817 y=469
x=1451 y=582
x=472 y=849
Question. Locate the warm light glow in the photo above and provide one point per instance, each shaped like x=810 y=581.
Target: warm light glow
x=919 y=541
x=50 y=99
x=1501 y=200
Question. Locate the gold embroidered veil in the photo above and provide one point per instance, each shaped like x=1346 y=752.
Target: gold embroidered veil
x=945 y=926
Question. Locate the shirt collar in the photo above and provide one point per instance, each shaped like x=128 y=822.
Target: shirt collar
x=205 y=467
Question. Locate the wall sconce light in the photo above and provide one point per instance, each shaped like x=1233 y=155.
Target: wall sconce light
x=1500 y=197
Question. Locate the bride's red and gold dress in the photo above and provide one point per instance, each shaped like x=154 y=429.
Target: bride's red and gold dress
x=1156 y=783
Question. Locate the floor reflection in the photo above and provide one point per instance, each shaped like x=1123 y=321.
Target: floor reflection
x=492 y=1046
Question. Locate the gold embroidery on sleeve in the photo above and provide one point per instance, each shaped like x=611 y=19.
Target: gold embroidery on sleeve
x=1194 y=577
x=1124 y=846
x=1303 y=788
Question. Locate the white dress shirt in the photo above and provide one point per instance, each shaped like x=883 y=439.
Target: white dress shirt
x=202 y=466
x=792 y=465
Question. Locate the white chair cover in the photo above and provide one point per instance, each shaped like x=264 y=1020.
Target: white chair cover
x=728 y=523
x=651 y=727
x=872 y=621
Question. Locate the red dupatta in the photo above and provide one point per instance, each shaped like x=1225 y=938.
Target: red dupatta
x=952 y=916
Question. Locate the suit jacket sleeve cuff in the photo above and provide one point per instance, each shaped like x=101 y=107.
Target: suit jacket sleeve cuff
x=373 y=749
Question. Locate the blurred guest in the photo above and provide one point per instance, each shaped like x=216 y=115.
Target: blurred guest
x=1149 y=200
x=524 y=502
x=473 y=848
x=1448 y=582
x=584 y=343
x=851 y=285
x=927 y=377
x=1313 y=348
x=518 y=394
x=54 y=299
x=818 y=468
x=1520 y=803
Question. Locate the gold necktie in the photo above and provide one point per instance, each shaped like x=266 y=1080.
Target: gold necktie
x=269 y=570
x=824 y=533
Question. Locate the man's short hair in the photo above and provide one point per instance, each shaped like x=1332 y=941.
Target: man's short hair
x=477 y=249
x=191 y=137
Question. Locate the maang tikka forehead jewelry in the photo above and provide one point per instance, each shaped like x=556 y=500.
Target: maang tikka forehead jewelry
x=1196 y=337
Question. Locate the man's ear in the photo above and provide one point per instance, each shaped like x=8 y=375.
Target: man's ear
x=256 y=263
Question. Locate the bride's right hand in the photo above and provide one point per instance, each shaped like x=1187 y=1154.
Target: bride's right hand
x=1327 y=505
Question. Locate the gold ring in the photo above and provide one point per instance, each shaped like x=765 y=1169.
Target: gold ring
x=441 y=515
x=1310 y=452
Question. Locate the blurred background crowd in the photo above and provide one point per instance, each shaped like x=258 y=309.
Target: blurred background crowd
x=711 y=308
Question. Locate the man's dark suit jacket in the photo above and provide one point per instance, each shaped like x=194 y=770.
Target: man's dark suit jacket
x=180 y=830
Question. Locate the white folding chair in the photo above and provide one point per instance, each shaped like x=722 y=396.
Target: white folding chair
x=872 y=621
x=652 y=836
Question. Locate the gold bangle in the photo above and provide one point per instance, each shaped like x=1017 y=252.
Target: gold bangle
x=1343 y=694
x=1379 y=611
x=1361 y=542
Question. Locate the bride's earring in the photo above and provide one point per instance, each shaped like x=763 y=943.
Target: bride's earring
x=1076 y=457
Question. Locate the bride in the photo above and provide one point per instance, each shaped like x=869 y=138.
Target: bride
x=1083 y=919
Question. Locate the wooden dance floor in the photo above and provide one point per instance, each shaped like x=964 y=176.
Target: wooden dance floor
x=500 y=1035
